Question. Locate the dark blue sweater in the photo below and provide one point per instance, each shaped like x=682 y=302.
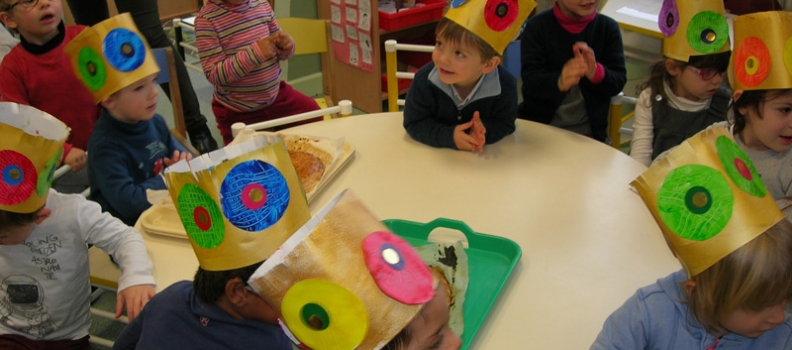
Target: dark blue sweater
x=124 y=160
x=546 y=47
x=430 y=114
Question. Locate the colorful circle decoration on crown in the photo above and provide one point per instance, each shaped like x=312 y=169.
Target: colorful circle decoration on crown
x=19 y=178
x=695 y=202
x=751 y=61
x=668 y=19
x=92 y=68
x=788 y=55
x=124 y=49
x=739 y=167
x=707 y=32
x=254 y=195
x=397 y=269
x=200 y=216
x=45 y=181
x=501 y=14
x=324 y=315
x=457 y=3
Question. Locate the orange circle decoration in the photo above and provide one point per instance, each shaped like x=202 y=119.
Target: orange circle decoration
x=751 y=61
x=788 y=55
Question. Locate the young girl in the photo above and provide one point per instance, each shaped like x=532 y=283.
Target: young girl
x=683 y=94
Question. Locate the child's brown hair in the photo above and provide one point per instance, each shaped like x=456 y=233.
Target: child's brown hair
x=209 y=286
x=9 y=219
x=455 y=33
x=753 y=99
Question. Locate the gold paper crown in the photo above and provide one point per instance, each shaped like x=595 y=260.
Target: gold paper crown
x=497 y=22
x=238 y=204
x=762 y=58
x=693 y=28
x=110 y=56
x=344 y=281
x=707 y=198
x=30 y=150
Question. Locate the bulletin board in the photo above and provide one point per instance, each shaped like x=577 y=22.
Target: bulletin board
x=350 y=23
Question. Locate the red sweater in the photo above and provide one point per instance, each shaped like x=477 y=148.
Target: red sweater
x=42 y=77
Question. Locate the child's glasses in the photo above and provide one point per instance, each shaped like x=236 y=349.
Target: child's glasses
x=706 y=74
x=24 y=4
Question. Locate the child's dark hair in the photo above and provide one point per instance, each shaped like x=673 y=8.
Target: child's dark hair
x=753 y=99
x=659 y=74
x=10 y=219
x=455 y=33
x=210 y=285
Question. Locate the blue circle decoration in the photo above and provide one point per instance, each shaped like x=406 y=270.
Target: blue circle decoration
x=124 y=49
x=233 y=201
x=457 y=3
x=13 y=175
x=399 y=265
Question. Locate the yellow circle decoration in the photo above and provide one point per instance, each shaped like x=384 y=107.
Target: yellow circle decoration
x=788 y=55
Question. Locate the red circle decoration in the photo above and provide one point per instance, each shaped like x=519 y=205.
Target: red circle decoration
x=254 y=196
x=751 y=61
x=18 y=178
x=202 y=218
x=406 y=279
x=743 y=169
x=501 y=14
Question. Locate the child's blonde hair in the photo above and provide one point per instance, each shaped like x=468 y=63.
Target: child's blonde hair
x=659 y=74
x=753 y=99
x=455 y=33
x=754 y=277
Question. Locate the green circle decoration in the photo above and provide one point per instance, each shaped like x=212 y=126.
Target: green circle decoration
x=44 y=182
x=92 y=68
x=201 y=216
x=739 y=167
x=695 y=202
x=315 y=316
x=707 y=32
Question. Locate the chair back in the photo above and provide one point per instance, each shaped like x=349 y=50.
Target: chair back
x=167 y=75
x=616 y=118
x=310 y=35
x=344 y=108
x=393 y=74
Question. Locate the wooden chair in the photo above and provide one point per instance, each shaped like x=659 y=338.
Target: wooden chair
x=616 y=118
x=344 y=108
x=392 y=72
x=165 y=60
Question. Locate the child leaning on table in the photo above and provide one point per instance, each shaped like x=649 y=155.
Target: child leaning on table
x=44 y=239
x=572 y=64
x=464 y=99
x=131 y=144
x=735 y=247
x=240 y=44
x=683 y=94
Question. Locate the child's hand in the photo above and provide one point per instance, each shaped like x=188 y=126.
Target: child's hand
x=582 y=49
x=134 y=298
x=477 y=131
x=573 y=70
x=177 y=157
x=268 y=45
x=285 y=45
x=76 y=158
x=462 y=140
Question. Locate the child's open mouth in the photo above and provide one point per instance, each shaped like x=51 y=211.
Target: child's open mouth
x=787 y=140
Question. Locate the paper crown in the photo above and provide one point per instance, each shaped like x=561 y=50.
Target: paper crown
x=30 y=150
x=762 y=57
x=238 y=204
x=343 y=281
x=497 y=22
x=707 y=198
x=693 y=28
x=110 y=56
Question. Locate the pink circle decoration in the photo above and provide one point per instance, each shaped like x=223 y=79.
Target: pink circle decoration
x=743 y=169
x=254 y=196
x=397 y=269
x=202 y=218
x=18 y=177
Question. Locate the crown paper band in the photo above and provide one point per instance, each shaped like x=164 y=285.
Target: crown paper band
x=693 y=28
x=762 y=58
x=497 y=22
x=30 y=150
x=707 y=198
x=238 y=204
x=110 y=56
x=343 y=281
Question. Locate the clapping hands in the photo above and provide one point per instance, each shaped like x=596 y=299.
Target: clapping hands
x=584 y=64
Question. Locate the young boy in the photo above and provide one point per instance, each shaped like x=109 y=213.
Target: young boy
x=44 y=239
x=572 y=63
x=131 y=143
x=463 y=98
x=240 y=44
x=33 y=74
x=261 y=197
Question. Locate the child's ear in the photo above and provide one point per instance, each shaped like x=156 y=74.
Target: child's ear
x=42 y=214
x=108 y=102
x=689 y=285
x=8 y=20
x=673 y=67
x=491 y=64
x=235 y=291
x=736 y=95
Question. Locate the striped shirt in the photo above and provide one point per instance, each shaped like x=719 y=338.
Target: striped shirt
x=226 y=35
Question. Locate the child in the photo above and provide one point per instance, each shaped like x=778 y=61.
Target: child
x=44 y=239
x=735 y=247
x=7 y=42
x=572 y=64
x=131 y=142
x=218 y=310
x=344 y=282
x=240 y=44
x=33 y=73
x=463 y=98
x=683 y=95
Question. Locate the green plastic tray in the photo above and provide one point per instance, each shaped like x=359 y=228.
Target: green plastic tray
x=491 y=260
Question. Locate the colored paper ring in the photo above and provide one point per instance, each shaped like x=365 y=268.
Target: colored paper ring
x=205 y=231
x=405 y=278
x=788 y=55
x=668 y=18
x=18 y=178
x=92 y=68
x=751 y=61
x=739 y=167
x=457 y=3
x=499 y=15
x=44 y=182
x=254 y=196
x=124 y=49
x=707 y=32
x=256 y=173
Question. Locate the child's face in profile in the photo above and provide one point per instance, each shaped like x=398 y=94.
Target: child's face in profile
x=15 y=235
x=577 y=8
x=773 y=128
x=690 y=84
x=752 y=324
x=429 y=329
x=136 y=102
x=458 y=64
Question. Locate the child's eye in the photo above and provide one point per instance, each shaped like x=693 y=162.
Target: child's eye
x=438 y=44
x=460 y=54
x=437 y=343
x=786 y=110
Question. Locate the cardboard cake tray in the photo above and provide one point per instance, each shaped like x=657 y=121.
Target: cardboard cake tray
x=491 y=260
